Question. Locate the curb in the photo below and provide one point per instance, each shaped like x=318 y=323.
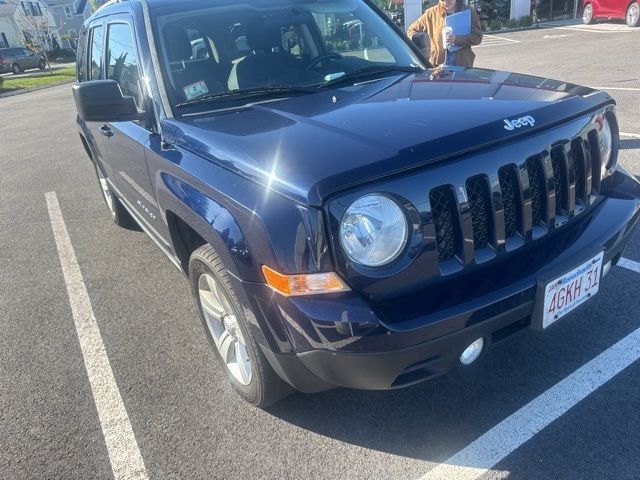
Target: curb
x=535 y=26
x=34 y=89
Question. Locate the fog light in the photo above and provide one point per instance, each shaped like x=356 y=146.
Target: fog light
x=606 y=268
x=472 y=352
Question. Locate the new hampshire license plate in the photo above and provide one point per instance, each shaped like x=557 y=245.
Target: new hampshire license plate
x=571 y=290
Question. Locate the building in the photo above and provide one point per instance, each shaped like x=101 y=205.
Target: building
x=69 y=16
x=27 y=23
x=543 y=10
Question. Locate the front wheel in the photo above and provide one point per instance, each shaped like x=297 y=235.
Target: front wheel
x=42 y=65
x=235 y=347
x=633 y=15
x=587 y=14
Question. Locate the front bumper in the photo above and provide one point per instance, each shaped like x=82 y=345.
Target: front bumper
x=341 y=340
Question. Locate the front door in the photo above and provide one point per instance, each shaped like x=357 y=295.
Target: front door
x=121 y=145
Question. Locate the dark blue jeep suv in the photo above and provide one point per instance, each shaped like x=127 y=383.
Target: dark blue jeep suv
x=346 y=214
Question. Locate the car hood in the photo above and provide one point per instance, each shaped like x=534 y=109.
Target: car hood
x=310 y=146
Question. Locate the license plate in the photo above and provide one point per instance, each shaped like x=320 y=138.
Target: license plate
x=571 y=290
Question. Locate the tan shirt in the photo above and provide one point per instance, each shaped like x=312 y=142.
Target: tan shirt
x=432 y=22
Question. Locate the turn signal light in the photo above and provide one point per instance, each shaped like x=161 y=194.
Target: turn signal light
x=308 y=284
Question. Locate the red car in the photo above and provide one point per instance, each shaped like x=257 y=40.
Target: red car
x=624 y=9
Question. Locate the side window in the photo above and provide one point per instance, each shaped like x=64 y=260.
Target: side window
x=82 y=64
x=96 y=59
x=122 y=63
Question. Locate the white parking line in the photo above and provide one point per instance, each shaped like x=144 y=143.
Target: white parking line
x=629 y=264
x=494 y=40
x=601 y=28
x=485 y=452
x=628 y=89
x=124 y=454
x=501 y=38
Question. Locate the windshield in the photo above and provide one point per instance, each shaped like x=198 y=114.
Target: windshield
x=222 y=50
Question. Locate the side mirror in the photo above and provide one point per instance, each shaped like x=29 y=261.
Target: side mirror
x=102 y=101
x=421 y=40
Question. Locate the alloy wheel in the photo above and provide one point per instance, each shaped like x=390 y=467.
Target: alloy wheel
x=632 y=14
x=587 y=14
x=224 y=328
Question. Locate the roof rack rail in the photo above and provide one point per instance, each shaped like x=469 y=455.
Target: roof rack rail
x=110 y=2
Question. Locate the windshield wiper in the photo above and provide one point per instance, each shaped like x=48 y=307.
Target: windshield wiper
x=369 y=72
x=247 y=93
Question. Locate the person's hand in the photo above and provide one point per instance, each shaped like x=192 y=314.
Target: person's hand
x=451 y=39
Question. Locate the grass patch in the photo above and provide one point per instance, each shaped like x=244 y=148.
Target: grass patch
x=39 y=79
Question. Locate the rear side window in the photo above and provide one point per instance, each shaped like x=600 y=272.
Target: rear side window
x=96 y=68
x=122 y=62
x=82 y=63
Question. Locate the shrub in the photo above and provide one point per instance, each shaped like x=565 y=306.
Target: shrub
x=495 y=25
x=1 y=82
x=511 y=23
x=526 y=21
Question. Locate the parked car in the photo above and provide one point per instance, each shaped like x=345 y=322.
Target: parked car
x=358 y=219
x=62 y=54
x=593 y=10
x=19 y=59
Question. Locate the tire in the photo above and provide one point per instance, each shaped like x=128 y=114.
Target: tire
x=245 y=365
x=587 y=15
x=42 y=65
x=119 y=214
x=633 y=15
x=15 y=68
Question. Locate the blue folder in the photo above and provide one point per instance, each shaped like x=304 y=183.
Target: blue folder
x=460 y=23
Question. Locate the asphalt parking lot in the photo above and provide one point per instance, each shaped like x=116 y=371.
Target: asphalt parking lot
x=504 y=417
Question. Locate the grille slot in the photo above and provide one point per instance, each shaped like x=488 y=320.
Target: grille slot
x=442 y=209
x=559 y=180
x=510 y=189
x=536 y=187
x=582 y=161
x=479 y=205
x=579 y=167
x=594 y=153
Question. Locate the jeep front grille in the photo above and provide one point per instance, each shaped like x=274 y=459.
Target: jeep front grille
x=527 y=200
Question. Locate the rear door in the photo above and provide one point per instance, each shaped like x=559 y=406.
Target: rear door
x=30 y=59
x=604 y=8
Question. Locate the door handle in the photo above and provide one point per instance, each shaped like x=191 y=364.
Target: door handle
x=106 y=131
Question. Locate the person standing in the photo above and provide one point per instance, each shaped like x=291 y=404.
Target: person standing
x=432 y=22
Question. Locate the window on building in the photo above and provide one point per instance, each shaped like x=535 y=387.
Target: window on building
x=96 y=61
x=4 y=43
x=76 y=6
x=68 y=11
x=26 y=8
x=122 y=62
x=35 y=9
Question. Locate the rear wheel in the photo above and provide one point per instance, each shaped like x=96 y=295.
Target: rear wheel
x=235 y=347
x=15 y=68
x=42 y=65
x=633 y=15
x=120 y=216
x=587 y=14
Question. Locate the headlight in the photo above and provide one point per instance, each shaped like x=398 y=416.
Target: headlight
x=605 y=142
x=373 y=230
